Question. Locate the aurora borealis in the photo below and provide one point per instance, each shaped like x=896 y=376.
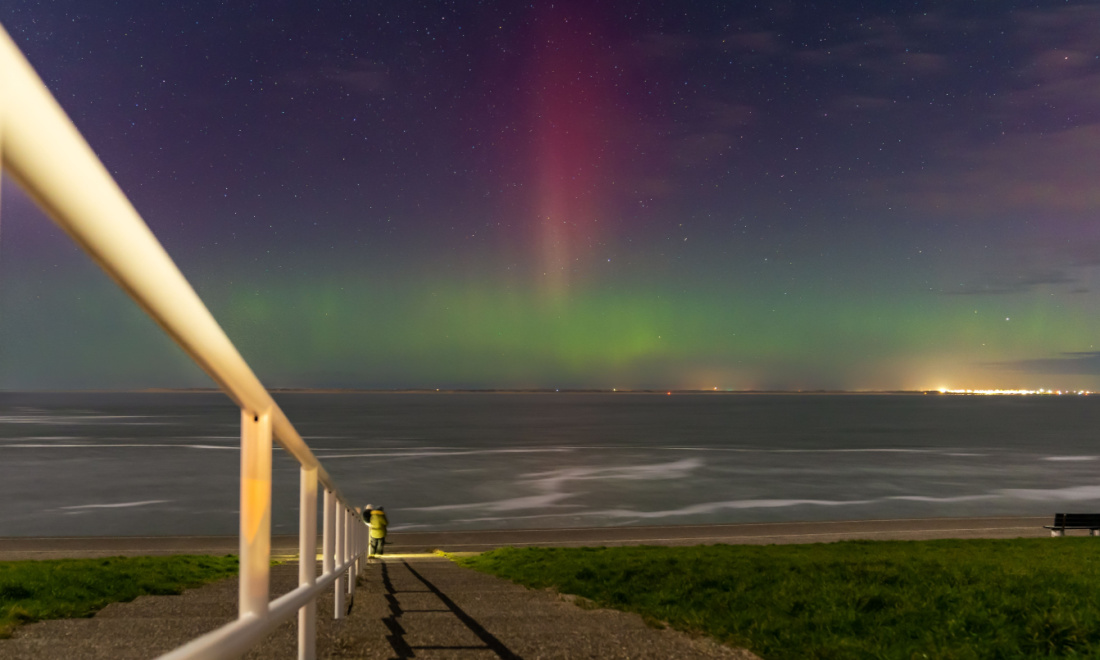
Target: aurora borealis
x=630 y=195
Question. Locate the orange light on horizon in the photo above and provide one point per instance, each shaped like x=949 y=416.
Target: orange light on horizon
x=1038 y=392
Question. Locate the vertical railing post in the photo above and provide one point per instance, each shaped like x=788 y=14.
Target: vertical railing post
x=255 y=527
x=358 y=525
x=341 y=530
x=328 y=540
x=307 y=562
x=349 y=539
x=354 y=547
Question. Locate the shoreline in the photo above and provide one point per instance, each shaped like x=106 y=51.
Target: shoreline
x=541 y=390
x=20 y=548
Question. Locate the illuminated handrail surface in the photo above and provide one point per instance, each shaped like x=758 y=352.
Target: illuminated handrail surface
x=46 y=155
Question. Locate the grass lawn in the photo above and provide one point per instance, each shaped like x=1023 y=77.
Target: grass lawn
x=855 y=599
x=67 y=588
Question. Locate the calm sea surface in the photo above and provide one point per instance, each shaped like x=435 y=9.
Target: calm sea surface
x=106 y=464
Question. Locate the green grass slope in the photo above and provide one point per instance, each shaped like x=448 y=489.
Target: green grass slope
x=67 y=588
x=859 y=599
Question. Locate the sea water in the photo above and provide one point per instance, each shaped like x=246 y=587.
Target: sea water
x=168 y=463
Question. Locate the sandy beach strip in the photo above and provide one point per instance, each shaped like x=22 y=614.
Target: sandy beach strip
x=15 y=548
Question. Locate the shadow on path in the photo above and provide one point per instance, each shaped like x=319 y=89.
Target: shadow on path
x=396 y=638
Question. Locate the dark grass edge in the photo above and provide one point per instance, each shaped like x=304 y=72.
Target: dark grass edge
x=18 y=614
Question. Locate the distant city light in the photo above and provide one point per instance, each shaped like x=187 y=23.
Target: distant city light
x=1042 y=392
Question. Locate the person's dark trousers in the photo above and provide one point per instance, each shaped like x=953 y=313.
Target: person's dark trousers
x=376 y=546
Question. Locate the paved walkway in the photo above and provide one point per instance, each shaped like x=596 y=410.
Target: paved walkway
x=411 y=606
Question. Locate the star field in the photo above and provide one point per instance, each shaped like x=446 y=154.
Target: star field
x=635 y=194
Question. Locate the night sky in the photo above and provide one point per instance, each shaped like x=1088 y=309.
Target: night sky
x=830 y=195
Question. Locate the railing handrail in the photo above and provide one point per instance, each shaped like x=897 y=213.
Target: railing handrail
x=53 y=163
x=47 y=156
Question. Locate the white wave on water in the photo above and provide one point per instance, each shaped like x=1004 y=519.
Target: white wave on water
x=113 y=505
x=553 y=501
x=497 y=519
x=754 y=450
x=512 y=504
x=443 y=454
x=373 y=438
x=1070 y=458
x=410 y=527
x=863 y=450
x=715 y=507
x=1079 y=493
x=74 y=419
x=96 y=445
x=551 y=484
x=1073 y=494
x=555 y=491
x=750 y=450
x=553 y=479
x=691 y=510
x=957 y=498
x=83 y=445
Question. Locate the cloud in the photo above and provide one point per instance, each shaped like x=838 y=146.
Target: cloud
x=885 y=47
x=359 y=78
x=762 y=42
x=1046 y=106
x=860 y=102
x=747 y=41
x=1019 y=284
x=1074 y=363
x=717 y=127
x=1058 y=64
x=1030 y=173
x=362 y=78
x=1037 y=145
x=1083 y=252
x=659 y=46
x=1073 y=27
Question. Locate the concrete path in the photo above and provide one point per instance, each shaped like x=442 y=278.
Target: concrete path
x=477 y=541
x=404 y=607
x=415 y=607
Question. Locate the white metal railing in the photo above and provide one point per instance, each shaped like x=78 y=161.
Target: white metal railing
x=45 y=153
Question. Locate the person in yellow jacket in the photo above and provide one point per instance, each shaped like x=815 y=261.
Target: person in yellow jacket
x=378 y=524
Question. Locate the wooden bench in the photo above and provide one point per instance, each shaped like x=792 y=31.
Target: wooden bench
x=1064 y=521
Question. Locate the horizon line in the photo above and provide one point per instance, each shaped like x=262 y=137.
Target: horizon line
x=455 y=390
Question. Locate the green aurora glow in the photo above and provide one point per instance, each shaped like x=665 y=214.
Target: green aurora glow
x=369 y=329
